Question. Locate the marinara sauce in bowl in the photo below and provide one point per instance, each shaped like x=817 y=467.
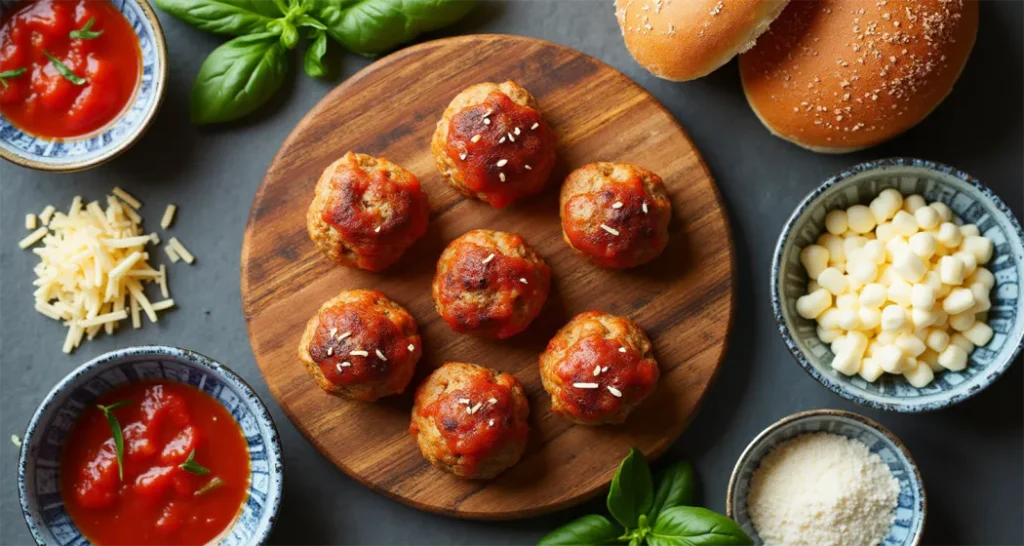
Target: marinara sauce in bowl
x=147 y=446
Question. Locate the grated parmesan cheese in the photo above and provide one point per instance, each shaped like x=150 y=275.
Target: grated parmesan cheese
x=180 y=249
x=822 y=490
x=30 y=221
x=168 y=218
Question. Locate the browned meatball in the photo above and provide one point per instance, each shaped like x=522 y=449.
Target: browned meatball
x=361 y=345
x=470 y=420
x=366 y=212
x=493 y=145
x=616 y=214
x=490 y=284
x=598 y=368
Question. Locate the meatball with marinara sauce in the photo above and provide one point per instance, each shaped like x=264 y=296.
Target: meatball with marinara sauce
x=361 y=345
x=470 y=420
x=366 y=212
x=490 y=284
x=616 y=214
x=598 y=368
x=493 y=145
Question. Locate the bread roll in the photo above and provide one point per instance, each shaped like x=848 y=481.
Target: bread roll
x=841 y=75
x=686 y=39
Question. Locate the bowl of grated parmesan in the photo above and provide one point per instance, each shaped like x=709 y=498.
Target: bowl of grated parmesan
x=827 y=478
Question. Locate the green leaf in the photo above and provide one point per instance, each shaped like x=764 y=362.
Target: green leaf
x=584 y=531
x=630 y=494
x=85 y=33
x=374 y=27
x=675 y=488
x=13 y=73
x=230 y=17
x=190 y=465
x=210 y=486
x=115 y=430
x=313 y=61
x=238 y=77
x=693 y=526
x=64 y=71
x=309 y=22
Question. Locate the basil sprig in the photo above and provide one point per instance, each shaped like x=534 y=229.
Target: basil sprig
x=64 y=71
x=242 y=74
x=190 y=465
x=86 y=32
x=13 y=73
x=115 y=431
x=660 y=517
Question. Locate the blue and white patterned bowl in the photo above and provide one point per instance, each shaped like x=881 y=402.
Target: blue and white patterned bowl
x=911 y=506
x=969 y=200
x=80 y=153
x=39 y=465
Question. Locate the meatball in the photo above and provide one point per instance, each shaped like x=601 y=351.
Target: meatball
x=470 y=420
x=361 y=345
x=366 y=211
x=598 y=368
x=493 y=145
x=490 y=284
x=616 y=214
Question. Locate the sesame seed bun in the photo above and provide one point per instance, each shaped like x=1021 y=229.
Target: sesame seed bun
x=837 y=76
x=685 y=39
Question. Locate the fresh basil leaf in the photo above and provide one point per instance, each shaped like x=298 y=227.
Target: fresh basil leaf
x=210 y=486
x=374 y=27
x=13 y=73
x=313 y=62
x=630 y=493
x=238 y=77
x=86 y=32
x=230 y=17
x=190 y=465
x=584 y=531
x=693 y=526
x=115 y=427
x=64 y=71
x=675 y=488
x=307 y=21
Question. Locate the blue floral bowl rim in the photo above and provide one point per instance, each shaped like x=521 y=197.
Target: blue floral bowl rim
x=188 y=355
x=787 y=229
x=834 y=414
x=160 y=80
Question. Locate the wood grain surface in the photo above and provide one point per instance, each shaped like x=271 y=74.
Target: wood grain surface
x=683 y=299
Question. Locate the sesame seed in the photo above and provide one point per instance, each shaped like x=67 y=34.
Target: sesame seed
x=502 y=162
x=487 y=121
x=359 y=353
x=617 y=205
x=330 y=351
x=534 y=126
x=489 y=112
x=609 y=229
x=585 y=385
x=501 y=176
x=527 y=167
x=488 y=258
x=492 y=400
x=605 y=369
x=411 y=347
x=644 y=206
x=597 y=371
x=622 y=349
x=376 y=229
x=523 y=280
x=615 y=392
x=511 y=138
x=475 y=139
x=462 y=156
x=474 y=409
x=345 y=364
x=380 y=355
x=464 y=401
x=501 y=140
x=490 y=423
x=333 y=331
x=516 y=130
x=343 y=336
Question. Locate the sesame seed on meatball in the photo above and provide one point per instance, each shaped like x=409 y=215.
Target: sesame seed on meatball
x=490 y=284
x=616 y=214
x=366 y=212
x=361 y=345
x=493 y=145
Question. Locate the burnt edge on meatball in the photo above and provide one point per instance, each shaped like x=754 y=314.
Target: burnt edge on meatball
x=453 y=276
x=384 y=385
x=456 y=376
x=394 y=231
x=608 y=327
x=624 y=225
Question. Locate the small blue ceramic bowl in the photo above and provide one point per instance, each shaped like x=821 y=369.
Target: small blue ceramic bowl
x=969 y=200
x=39 y=465
x=80 y=153
x=911 y=505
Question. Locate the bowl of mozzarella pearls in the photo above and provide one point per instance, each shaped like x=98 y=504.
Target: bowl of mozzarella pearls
x=896 y=284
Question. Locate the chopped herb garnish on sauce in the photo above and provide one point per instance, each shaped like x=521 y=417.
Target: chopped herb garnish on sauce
x=210 y=486
x=64 y=71
x=85 y=33
x=190 y=465
x=13 y=73
x=115 y=431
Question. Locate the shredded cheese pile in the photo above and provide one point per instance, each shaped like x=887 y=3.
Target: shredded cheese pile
x=94 y=265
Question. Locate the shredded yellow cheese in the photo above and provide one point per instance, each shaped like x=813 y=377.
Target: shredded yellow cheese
x=180 y=250
x=30 y=221
x=168 y=218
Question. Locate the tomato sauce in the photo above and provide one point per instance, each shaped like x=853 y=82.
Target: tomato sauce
x=157 y=501
x=512 y=133
x=43 y=102
x=631 y=375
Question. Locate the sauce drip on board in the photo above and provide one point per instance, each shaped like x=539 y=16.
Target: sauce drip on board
x=43 y=102
x=625 y=371
x=157 y=502
x=633 y=225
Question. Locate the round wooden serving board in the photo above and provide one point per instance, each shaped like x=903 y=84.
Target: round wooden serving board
x=683 y=299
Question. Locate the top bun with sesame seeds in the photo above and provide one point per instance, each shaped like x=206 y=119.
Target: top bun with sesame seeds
x=837 y=76
x=686 y=39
